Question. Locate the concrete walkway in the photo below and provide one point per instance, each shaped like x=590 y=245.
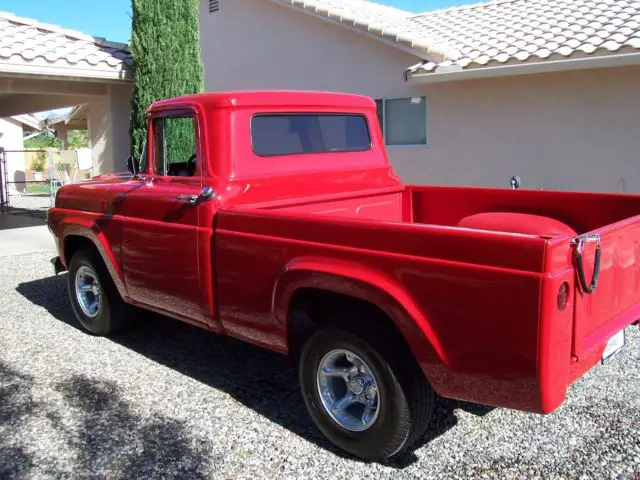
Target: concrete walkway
x=20 y=234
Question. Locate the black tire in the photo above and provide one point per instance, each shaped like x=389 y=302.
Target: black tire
x=406 y=398
x=113 y=313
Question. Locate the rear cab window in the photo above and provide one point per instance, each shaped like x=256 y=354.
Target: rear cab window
x=298 y=134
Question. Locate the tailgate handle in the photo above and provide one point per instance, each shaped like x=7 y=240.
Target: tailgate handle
x=578 y=243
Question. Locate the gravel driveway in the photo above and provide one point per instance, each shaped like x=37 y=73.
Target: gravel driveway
x=169 y=400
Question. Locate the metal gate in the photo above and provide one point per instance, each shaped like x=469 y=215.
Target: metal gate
x=29 y=181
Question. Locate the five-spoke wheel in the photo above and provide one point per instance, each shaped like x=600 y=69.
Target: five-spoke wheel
x=88 y=291
x=348 y=390
x=366 y=395
x=94 y=296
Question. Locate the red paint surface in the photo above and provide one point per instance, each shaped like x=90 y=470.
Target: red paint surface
x=477 y=306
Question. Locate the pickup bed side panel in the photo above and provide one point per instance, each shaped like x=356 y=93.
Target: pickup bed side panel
x=478 y=292
x=355 y=280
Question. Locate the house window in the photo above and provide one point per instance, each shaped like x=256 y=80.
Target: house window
x=214 y=6
x=403 y=120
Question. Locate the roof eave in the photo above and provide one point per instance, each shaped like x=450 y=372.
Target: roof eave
x=28 y=120
x=541 y=66
x=117 y=75
x=420 y=47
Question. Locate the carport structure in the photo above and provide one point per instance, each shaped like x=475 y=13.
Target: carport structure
x=44 y=67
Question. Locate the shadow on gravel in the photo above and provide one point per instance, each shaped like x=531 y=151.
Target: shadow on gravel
x=16 y=404
x=104 y=437
x=260 y=379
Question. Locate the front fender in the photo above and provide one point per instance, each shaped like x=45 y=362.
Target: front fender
x=366 y=284
x=84 y=224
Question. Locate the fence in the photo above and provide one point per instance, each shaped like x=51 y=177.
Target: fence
x=29 y=179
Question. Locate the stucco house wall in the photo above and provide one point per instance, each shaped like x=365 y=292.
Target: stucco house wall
x=12 y=142
x=574 y=130
x=563 y=130
x=11 y=134
x=253 y=44
x=108 y=125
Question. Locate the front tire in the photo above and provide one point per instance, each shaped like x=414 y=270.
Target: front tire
x=94 y=297
x=359 y=397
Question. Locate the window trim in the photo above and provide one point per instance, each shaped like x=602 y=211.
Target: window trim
x=383 y=127
x=309 y=114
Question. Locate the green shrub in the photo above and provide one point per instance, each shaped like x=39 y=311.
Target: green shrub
x=165 y=47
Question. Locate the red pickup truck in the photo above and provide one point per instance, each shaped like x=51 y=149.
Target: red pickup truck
x=275 y=217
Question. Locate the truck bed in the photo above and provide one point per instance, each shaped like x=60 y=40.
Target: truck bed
x=446 y=206
x=483 y=303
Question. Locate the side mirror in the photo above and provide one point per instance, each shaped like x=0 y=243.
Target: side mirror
x=132 y=165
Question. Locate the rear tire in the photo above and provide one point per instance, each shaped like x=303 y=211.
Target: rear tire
x=94 y=297
x=405 y=399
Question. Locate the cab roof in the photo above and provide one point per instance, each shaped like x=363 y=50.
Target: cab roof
x=268 y=98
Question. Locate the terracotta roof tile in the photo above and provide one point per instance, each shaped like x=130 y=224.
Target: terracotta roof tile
x=537 y=29
x=25 y=42
x=495 y=32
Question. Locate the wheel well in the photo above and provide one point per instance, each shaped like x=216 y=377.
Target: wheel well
x=310 y=309
x=73 y=243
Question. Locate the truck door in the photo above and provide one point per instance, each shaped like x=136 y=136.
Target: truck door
x=160 y=228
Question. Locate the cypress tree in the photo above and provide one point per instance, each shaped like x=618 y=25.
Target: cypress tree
x=165 y=46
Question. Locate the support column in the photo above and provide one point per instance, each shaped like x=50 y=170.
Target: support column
x=108 y=125
x=63 y=135
x=98 y=132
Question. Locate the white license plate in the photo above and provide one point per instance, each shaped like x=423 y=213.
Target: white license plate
x=614 y=345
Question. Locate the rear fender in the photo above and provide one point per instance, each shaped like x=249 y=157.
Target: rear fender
x=87 y=228
x=366 y=284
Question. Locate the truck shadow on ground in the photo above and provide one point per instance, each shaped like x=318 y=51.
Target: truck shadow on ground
x=259 y=379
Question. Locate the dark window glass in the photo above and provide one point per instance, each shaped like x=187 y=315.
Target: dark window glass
x=175 y=146
x=297 y=134
x=405 y=121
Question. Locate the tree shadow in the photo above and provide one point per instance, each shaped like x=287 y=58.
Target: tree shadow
x=16 y=404
x=104 y=435
x=109 y=437
x=259 y=379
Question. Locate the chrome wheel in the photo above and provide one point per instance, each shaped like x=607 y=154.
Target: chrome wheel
x=348 y=390
x=88 y=291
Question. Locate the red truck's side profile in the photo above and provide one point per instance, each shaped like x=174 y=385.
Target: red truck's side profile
x=275 y=217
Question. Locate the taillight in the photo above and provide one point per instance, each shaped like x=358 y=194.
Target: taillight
x=563 y=296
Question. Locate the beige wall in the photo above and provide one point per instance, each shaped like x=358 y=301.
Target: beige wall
x=256 y=44
x=11 y=134
x=11 y=139
x=567 y=130
x=108 y=124
x=576 y=130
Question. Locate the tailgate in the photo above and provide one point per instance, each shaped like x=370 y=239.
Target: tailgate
x=615 y=302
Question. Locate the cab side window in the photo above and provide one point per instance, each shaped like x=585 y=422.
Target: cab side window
x=175 y=146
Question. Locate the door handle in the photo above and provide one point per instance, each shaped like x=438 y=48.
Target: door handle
x=190 y=199
x=206 y=193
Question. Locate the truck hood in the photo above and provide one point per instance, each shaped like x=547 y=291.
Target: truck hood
x=95 y=194
x=106 y=176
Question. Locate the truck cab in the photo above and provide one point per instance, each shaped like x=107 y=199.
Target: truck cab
x=275 y=218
